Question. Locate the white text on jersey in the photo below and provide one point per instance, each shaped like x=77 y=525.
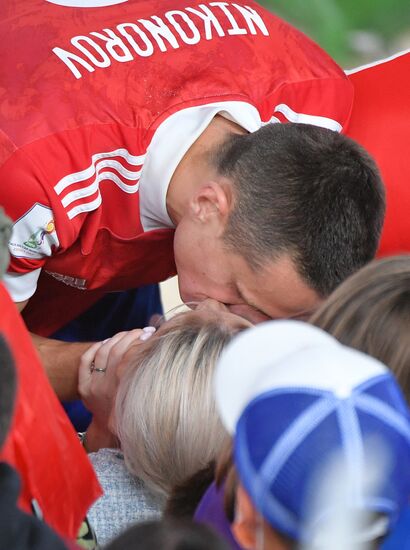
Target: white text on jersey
x=146 y=36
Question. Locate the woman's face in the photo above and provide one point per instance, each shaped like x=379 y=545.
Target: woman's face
x=208 y=310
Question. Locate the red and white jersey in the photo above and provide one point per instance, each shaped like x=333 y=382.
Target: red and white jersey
x=380 y=121
x=99 y=101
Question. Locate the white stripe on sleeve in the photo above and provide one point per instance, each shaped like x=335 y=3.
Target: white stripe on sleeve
x=21 y=286
x=303 y=118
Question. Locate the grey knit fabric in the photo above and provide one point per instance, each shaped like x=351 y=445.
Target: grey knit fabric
x=5 y=232
x=126 y=499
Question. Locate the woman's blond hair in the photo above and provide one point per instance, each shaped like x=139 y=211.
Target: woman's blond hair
x=370 y=311
x=165 y=414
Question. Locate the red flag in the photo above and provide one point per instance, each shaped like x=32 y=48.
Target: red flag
x=380 y=121
x=42 y=444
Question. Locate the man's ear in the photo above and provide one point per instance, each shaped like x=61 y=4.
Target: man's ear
x=212 y=202
x=245 y=523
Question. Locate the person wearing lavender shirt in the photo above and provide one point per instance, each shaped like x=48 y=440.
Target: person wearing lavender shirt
x=210 y=511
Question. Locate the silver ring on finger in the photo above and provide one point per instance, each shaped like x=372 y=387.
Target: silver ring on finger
x=99 y=370
x=96 y=369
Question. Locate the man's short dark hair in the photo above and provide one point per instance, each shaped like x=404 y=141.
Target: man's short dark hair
x=7 y=388
x=305 y=191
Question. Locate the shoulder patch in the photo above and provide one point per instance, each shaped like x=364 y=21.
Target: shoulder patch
x=34 y=234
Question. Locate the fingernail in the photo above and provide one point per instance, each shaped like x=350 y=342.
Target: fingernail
x=144 y=336
x=150 y=330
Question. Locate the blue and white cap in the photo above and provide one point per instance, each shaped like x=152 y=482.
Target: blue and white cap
x=320 y=431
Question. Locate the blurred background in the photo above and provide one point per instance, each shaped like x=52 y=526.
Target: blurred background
x=353 y=32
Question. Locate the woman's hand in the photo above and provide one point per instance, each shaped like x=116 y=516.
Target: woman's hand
x=98 y=373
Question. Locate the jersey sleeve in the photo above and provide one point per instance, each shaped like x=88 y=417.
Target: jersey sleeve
x=310 y=87
x=324 y=102
x=34 y=235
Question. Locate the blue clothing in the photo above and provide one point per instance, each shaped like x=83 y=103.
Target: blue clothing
x=115 y=312
x=399 y=538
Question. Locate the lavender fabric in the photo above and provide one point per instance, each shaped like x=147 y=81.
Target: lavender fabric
x=210 y=511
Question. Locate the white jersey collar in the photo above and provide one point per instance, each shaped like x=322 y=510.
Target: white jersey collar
x=171 y=141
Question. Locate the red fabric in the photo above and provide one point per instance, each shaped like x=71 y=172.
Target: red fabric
x=83 y=93
x=380 y=121
x=140 y=262
x=42 y=445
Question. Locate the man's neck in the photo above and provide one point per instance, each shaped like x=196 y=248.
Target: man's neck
x=196 y=167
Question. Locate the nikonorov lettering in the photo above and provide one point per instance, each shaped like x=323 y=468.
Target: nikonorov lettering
x=143 y=37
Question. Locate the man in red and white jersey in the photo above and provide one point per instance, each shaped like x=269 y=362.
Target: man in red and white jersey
x=380 y=121
x=125 y=119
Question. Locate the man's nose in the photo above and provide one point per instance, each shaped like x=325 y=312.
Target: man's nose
x=247 y=312
x=211 y=305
